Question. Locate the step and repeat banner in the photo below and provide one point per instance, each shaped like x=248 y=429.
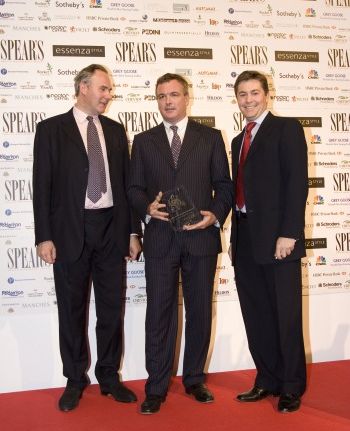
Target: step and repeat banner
x=303 y=47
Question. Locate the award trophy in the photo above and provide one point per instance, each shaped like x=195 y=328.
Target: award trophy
x=180 y=208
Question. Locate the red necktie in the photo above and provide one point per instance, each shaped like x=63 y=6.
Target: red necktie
x=245 y=148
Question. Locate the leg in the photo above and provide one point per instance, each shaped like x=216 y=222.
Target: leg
x=162 y=284
x=72 y=291
x=257 y=311
x=287 y=282
x=198 y=274
x=107 y=276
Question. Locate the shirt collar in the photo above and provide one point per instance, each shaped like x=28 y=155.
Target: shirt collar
x=260 y=119
x=80 y=116
x=182 y=124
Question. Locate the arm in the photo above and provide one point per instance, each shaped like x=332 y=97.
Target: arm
x=293 y=159
x=42 y=184
x=221 y=184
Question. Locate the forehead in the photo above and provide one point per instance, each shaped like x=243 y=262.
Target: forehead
x=101 y=78
x=250 y=85
x=172 y=85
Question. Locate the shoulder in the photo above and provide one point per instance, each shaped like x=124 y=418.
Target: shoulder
x=56 y=118
x=201 y=128
x=147 y=134
x=284 y=121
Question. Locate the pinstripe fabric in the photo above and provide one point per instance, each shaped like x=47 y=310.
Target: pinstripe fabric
x=202 y=168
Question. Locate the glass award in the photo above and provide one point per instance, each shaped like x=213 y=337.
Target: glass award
x=180 y=208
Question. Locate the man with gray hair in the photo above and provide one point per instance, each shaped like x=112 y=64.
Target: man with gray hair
x=83 y=227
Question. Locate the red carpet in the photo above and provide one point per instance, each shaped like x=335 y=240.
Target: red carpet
x=325 y=407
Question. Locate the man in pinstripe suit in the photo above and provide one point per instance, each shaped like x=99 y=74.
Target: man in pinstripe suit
x=200 y=166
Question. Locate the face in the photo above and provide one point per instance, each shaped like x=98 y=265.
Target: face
x=172 y=102
x=251 y=99
x=95 y=95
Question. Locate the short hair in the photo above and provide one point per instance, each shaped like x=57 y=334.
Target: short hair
x=247 y=75
x=85 y=75
x=171 y=77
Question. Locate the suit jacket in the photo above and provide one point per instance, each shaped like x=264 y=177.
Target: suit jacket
x=60 y=176
x=275 y=186
x=202 y=169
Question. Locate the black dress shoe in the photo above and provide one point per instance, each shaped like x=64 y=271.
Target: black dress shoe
x=200 y=392
x=255 y=394
x=288 y=403
x=70 y=398
x=151 y=404
x=119 y=392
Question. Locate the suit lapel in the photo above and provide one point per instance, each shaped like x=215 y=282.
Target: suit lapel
x=160 y=139
x=190 y=141
x=262 y=132
x=70 y=128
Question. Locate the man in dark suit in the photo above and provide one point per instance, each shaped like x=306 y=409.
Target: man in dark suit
x=267 y=241
x=83 y=227
x=179 y=152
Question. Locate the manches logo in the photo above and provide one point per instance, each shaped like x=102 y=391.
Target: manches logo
x=78 y=51
x=310 y=121
x=21 y=50
x=245 y=54
x=297 y=56
x=136 y=52
x=338 y=57
x=315 y=243
x=189 y=53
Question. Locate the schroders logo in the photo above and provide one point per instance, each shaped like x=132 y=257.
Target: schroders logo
x=338 y=57
x=297 y=56
x=136 y=52
x=310 y=121
x=315 y=243
x=316 y=183
x=245 y=54
x=189 y=53
x=21 y=50
x=342 y=242
x=20 y=122
x=78 y=51
x=341 y=181
x=340 y=122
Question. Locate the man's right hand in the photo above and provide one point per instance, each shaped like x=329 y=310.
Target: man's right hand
x=154 y=207
x=47 y=251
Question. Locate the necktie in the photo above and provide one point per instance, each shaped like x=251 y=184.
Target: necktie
x=175 y=145
x=245 y=148
x=97 y=174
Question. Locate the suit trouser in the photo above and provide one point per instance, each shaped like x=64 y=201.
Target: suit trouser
x=271 y=303
x=162 y=284
x=101 y=263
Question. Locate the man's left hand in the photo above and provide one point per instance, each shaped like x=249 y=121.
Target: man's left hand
x=208 y=220
x=134 y=248
x=284 y=247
